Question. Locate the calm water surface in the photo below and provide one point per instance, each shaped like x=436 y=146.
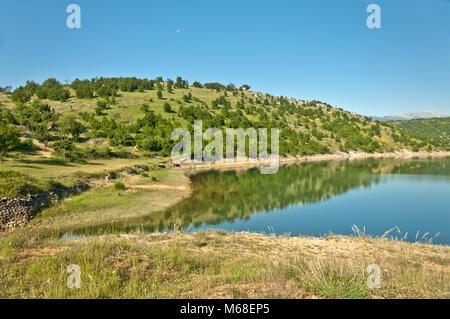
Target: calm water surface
x=315 y=199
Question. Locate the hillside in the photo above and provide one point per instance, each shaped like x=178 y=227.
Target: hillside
x=436 y=129
x=128 y=117
x=410 y=116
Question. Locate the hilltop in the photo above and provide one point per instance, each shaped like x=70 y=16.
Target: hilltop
x=128 y=117
x=435 y=129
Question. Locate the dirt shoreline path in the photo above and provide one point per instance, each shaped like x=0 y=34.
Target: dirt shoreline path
x=291 y=160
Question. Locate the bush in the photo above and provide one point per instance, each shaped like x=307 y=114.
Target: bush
x=15 y=184
x=66 y=151
x=9 y=139
x=26 y=145
x=119 y=186
x=167 y=108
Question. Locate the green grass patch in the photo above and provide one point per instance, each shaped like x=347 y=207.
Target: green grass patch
x=16 y=184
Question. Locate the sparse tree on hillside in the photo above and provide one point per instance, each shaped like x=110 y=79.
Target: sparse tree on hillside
x=42 y=134
x=70 y=126
x=9 y=138
x=169 y=87
x=167 y=108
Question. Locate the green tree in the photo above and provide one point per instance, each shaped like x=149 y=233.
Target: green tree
x=42 y=134
x=169 y=87
x=70 y=126
x=65 y=150
x=167 y=108
x=101 y=106
x=159 y=94
x=9 y=138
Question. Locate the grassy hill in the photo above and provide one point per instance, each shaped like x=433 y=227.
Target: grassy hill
x=128 y=117
x=435 y=129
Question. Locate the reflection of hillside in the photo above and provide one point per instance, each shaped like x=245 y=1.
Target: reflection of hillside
x=226 y=196
x=439 y=167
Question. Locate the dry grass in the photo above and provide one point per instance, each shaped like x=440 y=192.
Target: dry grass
x=221 y=265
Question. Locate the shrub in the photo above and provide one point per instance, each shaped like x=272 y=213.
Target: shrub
x=26 y=145
x=167 y=108
x=9 y=139
x=15 y=184
x=66 y=151
x=119 y=186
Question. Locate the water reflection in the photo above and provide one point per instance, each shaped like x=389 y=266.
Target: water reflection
x=227 y=197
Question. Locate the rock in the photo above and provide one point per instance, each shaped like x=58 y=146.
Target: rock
x=110 y=177
x=132 y=171
x=144 y=168
x=16 y=212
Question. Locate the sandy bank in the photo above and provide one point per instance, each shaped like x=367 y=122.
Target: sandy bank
x=290 y=160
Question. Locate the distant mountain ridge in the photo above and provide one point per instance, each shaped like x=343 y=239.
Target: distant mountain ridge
x=410 y=116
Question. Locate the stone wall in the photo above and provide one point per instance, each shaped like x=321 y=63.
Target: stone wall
x=17 y=212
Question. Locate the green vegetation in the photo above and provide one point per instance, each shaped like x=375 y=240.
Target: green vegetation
x=119 y=186
x=436 y=129
x=135 y=114
x=15 y=184
x=9 y=139
x=219 y=265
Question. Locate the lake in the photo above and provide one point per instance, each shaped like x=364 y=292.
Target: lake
x=409 y=197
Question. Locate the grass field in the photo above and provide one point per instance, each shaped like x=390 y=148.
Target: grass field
x=220 y=265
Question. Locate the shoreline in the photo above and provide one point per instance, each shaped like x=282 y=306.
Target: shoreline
x=292 y=160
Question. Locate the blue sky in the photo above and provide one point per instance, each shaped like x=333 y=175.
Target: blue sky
x=319 y=49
